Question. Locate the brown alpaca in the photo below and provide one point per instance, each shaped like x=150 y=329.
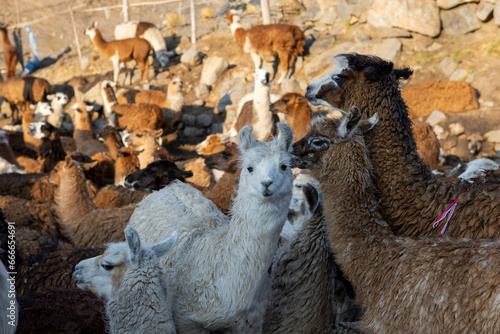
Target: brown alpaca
x=261 y=41
x=403 y=284
x=295 y=111
x=81 y=221
x=113 y=140
x=10 y=54
x=412 y=198
x=171 y=104
x=145 y=141
x=84 y=133
x=123 y=50
x=126 y=163
x=427 y=143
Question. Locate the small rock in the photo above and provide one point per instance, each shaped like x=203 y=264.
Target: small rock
x=460 y=20
x=204 y=120
x=189 y=120
x=313 y=12
x=343 y=11
x=320 y=29
x=447 y=66
x=192 y=57
x=489 y=104
x=199 y=103
x=496 y=13
x=320 y=45
x=290 y=86
x=456 y=129
x=361 y=38
x=447 y=4
x=458 y=75
x=436 y=117
x=330 y=16
x=434 y=47
x=485 y=11
x=493 y=136
x=213 y=68
x=202 y=91
x=190 y=131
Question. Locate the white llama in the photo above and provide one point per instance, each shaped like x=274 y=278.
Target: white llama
x=220 y=264
x=129 y=277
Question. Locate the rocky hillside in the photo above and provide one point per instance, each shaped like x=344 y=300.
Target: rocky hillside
x=451 y=40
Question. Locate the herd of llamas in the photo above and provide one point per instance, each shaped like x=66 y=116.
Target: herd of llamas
x=290 y=222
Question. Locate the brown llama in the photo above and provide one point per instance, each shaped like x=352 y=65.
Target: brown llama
x=412 y=197
x=403 y=284
x=293 y=109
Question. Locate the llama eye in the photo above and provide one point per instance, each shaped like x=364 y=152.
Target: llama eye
x=319 y=143
x=340 y=79
x=107 y=266
x=250 y=169
x=283 y=167
x=138 y=136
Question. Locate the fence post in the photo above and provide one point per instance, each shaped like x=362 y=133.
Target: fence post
x=125 y=11
x=193 y=22
x=266 y=13
x=76 y=39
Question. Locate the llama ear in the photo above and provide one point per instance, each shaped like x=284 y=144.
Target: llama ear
x=164 y=247
x=349 y=122
x=95 y=24
x=245 y=138
x=133 y=240
x=89 y=165
x=285 y=138
x=158 y=133
x=50 y=97
x=67 y=161
x=368 y=124
x=230 y=17
x=312 y=196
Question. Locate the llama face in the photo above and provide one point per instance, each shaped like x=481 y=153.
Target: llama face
x=262 y=77
x=226 y=160
x=266 y=166
x=35 y=130
x=325 y=91
x=59 y=98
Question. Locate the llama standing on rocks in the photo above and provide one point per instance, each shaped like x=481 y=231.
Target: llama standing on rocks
x=412 y=197
x=129 y=277
x=220 y=264
x=403 y=284
x=309 y=293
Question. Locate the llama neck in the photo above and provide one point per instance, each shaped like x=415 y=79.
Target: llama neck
x=394 y=156
x=239 y=35
x=175 y=101
x=5 y=38
x=109 y=98
x=151 y=305
x=147 y=155
x=100 y=43
x=74 y=201
x=113 y=146
x=263 y=115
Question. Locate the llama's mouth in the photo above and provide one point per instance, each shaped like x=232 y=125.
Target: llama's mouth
x=267 y=193
x=132 y=186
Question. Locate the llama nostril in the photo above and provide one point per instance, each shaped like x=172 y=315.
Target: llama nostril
x=267 y=184
x=308 y=88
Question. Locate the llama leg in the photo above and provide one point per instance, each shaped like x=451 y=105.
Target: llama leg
x=116 y=67
x=256 y=60
x=284 y=65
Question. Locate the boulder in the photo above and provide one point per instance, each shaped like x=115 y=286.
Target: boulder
x=213 y=68
x=447 y=4
x=460 y=20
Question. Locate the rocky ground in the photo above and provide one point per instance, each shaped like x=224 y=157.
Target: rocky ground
x=439 y=40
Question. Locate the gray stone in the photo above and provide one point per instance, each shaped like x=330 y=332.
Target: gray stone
x=485 y=11
x=434 y=47
x=493 y=136
x=213 y=68
x=389 y=49
x=460 y=74
x=343 y=11
x=216 y=128
x=320 y=45
x=94 y=95
x=435 y=118
x=460 y=20
x=359 y=38
x=395 y=33
x=204 y=120
x=330 y=16
x=290 y=86
x=456 y=129
x=420 y=16
x=189 y=120
x=313 y=12
x=447 y=4
x=447 y=66
x=192 y=57
x=202 y=91
x=190 y=131
x=440 y=133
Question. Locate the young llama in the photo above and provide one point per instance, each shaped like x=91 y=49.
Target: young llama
x=129 y=277
x=403 y=284
x=219 y=270
x=412 y=197
x=269 y=40
x=10 y=53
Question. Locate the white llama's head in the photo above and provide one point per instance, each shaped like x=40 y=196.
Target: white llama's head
x=59 y=98
x=265 y=166
x=262 y=77
x=103 y=274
